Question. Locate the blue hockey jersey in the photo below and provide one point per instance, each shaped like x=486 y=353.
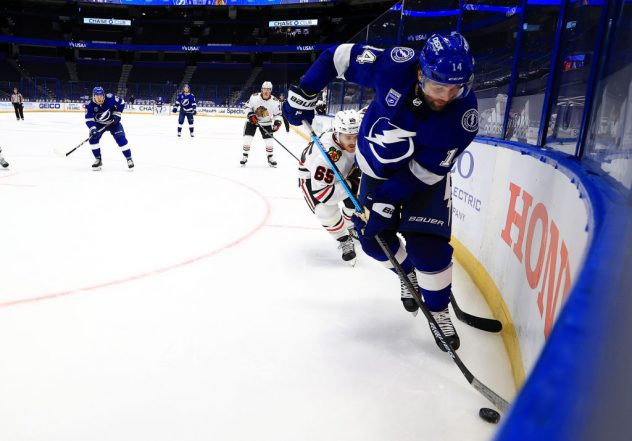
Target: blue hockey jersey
x=186 y=102
x=98 y=116
x=398 y=132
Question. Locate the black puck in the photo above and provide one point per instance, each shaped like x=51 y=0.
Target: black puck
x=489 y=415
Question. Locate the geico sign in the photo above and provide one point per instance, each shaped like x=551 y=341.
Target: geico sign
x=50 y=106
x=556 y=276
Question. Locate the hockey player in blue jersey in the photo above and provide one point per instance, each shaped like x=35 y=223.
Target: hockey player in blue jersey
x=103 y=114
x=423 y=116
x=186 y=102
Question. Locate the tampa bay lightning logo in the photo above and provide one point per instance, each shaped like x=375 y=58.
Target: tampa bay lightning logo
x=102 y=117
x=401 y=54
x=185 y=102
x=390 y=143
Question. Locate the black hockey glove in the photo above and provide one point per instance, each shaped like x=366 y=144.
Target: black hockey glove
x=174 y=110
x=276 y=126
x=299 y=106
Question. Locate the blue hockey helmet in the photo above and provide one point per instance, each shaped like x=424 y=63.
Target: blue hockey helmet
x=98 y=91
x=448 y=60
x=186 y=86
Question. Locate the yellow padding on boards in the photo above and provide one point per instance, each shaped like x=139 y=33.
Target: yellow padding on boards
x=494 y=299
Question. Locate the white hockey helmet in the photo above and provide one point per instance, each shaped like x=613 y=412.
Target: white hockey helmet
x=347 y=122
x=266 y=85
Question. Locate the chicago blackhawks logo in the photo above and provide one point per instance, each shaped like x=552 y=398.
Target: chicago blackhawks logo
x=261 y=112
x=334 y=154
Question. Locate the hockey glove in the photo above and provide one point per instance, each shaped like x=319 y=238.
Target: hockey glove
x=299 y=106
x=252 y=117
x=194 y=112
x=174 y=110
x=115 y=119
x=93 y=131
x=276 y=126
x=381 y=216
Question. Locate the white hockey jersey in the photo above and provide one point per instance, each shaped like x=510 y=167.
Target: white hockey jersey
x=317 y=180
x=267 y=111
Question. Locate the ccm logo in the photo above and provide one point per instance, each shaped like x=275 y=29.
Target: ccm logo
x=50 y=106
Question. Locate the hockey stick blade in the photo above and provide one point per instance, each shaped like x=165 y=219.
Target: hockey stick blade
x=482 y=323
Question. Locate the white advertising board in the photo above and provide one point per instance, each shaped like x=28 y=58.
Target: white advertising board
x=526 y=224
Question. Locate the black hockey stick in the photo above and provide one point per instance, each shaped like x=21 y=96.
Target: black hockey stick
x=60 y=152
x=482 y=323
x=500 y=403
x=278 y=142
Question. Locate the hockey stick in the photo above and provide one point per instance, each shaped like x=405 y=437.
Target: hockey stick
x=278 y=142
x=60 y=152
x=482 y=323
x=492 y=396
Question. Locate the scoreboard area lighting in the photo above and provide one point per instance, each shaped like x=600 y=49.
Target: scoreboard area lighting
x=292 y=23
x=107 y=21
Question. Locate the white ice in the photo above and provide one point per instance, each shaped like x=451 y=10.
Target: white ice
x=193 y=299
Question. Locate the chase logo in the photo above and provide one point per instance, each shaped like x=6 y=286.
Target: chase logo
x=102 y=117
x=402 y=54
x=390 y=143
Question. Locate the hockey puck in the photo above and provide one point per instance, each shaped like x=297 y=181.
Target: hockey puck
x=489 y=415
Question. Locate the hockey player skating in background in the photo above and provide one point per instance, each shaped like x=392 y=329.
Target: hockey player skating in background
x=3 y=163
x=103 y=114
x=264 y=110
x=159 y=103
x=186 y=102
x=423 y=116
x=322 y=191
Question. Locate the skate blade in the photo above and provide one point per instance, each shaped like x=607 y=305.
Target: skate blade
x=415 y=313
x=96 y=169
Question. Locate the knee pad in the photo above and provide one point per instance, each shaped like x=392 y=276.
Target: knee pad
x=372 y=249
x=428 y=253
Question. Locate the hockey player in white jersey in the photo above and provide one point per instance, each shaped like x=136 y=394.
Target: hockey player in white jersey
x=264 y=111
x=322 y=192
x=3 y=163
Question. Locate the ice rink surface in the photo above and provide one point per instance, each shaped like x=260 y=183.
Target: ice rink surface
x=193 y=299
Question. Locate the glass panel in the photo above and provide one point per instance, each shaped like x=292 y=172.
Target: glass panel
x=492 y=37
x=383 y=31
x=527 y=103
x=576 y=58
x=422 y=18
x=609 y=139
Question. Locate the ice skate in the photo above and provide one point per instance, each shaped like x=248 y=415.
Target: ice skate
x=97 y=164
x=348 y=249
x=3 y=163
x=445 y=324
x=130 y=163
x=192 y=135
x=244 y=159
x=409 y=302
x=271 y=161
x=179 y=135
